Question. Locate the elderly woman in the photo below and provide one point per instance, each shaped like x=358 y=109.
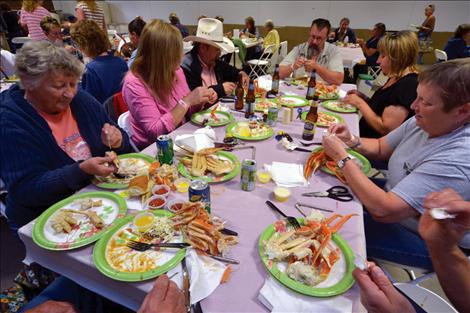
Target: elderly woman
x=369 y=48
x=104 y=73
x=389 y=107
x=272 y=36
x=63 y=133
x=427 y=153
x=155 y=88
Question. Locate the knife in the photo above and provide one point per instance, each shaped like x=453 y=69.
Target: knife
x=187 y=301
x=229 y=232
x=223 y=259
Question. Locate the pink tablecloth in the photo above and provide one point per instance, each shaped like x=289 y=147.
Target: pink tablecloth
x=246 y=212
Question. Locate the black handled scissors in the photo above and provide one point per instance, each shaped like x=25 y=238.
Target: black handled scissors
x=338 y=193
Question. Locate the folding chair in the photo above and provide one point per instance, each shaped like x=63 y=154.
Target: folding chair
x=374 y=71
x=441 y=55
x=261 y=64
x=282 y=51
x=123 y=122
x=115 y=106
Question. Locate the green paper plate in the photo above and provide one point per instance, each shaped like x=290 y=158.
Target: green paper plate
x=99 y=255
x=298 y=101
x=11 y=79
x=339 y=119
x=106 y=185
x=225 y=118
x=258 y=109
x=340 y=287
x=184 y=171
x=366 y=167
x=114 y=207
x=330 y=105
x=231 y=127
x=329 y=96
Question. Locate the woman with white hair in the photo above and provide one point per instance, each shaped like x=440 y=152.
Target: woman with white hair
x=63 y=133
x=272 y=36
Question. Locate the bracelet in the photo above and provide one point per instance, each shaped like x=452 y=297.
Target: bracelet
x=183 y=104
x=357 y=144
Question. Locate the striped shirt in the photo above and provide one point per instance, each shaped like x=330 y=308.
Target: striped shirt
x=96 y=15
x=32 y=21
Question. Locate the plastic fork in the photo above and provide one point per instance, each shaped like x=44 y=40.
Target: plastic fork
x=290 y=219
x=143 y=246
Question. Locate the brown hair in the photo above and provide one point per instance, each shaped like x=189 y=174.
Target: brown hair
x=322 y=23
x=461 y=30
x=451 y=79
x=160 y=51
x=30 y=5
x=90 y=37
x=91 y=4
x=47 y=23
x=136 y=26
x=402 y=49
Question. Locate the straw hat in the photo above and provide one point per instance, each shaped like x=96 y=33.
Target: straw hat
x=210 y=31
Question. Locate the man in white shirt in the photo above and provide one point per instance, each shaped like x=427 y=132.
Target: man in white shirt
x=315 y=54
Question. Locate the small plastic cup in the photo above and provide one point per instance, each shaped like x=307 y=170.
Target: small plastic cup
x=263 y=176
x=182 y=184
x=156 y=202
x=161 y=190
x=281 y=194
x=174 y=205
x=143 y=221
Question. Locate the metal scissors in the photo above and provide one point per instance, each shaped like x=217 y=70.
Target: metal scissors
x=338 y=193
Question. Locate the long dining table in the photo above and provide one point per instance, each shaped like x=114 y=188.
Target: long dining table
x=245 y=212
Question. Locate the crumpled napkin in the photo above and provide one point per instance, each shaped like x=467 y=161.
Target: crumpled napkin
x=205 y=274
x=278 y=298
x=287 y=174
x=200 y=139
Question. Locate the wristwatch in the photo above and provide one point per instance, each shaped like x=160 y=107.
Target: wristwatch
x=341 y=163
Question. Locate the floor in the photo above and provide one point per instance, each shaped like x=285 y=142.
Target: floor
x=12 y=253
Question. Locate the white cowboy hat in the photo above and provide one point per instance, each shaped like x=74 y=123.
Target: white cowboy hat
x=210 y=31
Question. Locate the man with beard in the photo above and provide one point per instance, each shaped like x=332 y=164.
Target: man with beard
x=202 y=66
x=315 y=54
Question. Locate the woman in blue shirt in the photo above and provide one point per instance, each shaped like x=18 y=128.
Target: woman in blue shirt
x=458 y=46
x=370 y=49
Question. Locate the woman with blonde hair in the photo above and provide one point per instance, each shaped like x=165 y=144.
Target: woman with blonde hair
x=389 y=107
x=90 y=10
x=104 y=73
x=31 y=14
x=155 y=88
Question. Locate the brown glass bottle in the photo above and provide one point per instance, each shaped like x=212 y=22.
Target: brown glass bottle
x=275 y=81
x=239 y=93
x=311 y=86
x=250 y=100
x=311 y=120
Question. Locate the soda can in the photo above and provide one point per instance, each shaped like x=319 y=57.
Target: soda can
x=199 y=190
x=272 y=116
x=165 y=149
x=248 y=173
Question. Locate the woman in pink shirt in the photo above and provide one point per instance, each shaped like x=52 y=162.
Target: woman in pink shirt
x=30 y=17
x=155 y=88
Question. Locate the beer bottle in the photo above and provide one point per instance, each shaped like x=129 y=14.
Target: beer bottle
x=275 y=81
x=311 y=120
x=250 y=100
x=239 y=93
x=311 y=86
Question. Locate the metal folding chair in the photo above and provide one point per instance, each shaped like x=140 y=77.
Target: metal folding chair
x=441 y=55
x=261 y=64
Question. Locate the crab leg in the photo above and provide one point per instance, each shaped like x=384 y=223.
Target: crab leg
x=322 y=246
x=341 y=222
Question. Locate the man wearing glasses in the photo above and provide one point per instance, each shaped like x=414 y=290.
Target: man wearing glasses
x=315 y=54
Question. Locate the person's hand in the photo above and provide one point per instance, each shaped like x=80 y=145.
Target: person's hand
x=111 y=136
x=199 y=95
x=213 y=96
x=245 y=79
x=334 y=147
x=164 y=297
x=54 y=307
x=448 y=232
x=299 y=62
x=99 y=166
x=341 y=131
x=355 y=100
x=310 y=65
x=378 y=294
x=360 y=41
x=229 y=87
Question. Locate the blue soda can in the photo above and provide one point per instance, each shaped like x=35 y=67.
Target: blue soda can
x=248 y=173
x=165 y=149
x=199 y=190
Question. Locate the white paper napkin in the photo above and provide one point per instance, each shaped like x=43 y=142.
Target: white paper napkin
x=202 y=138
x=287 y=174
x=205 y=274
x=278 y=298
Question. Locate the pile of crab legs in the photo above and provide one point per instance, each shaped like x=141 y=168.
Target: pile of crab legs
x=318 y=159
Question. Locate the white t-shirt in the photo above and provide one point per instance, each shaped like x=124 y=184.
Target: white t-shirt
x=420 y=165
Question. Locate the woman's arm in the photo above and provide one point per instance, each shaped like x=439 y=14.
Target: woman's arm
x=392 y=117
x=79 y=14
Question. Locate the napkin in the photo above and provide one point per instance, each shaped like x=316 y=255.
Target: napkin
x=205 y=274
x=278 y=298
x=200 y=139
x=287 y=174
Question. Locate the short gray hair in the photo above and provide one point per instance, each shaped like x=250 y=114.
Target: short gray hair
x=39 y=58
x=269 y=23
